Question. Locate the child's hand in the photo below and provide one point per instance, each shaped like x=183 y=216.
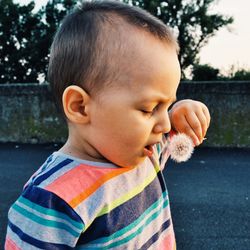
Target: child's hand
x=190 y=117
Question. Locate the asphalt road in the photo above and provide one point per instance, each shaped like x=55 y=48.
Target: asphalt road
x=210 y=194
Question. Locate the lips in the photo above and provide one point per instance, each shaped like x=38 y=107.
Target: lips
x=148 y=150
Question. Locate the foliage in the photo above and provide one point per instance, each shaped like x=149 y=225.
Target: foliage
x=204 y=73
x=192 y=21
x=16 y=27
x=241 y=75
x=25 y=36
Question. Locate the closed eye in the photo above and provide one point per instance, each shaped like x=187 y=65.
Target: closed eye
x=158 y=106
x=149 y=112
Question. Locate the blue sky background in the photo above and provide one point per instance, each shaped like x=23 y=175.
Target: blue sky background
x=226 y=48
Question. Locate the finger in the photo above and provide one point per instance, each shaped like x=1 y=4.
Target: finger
x=203 y=123
x=184 y=127
x=207 y=115
x=195 y=125
x=194 y=138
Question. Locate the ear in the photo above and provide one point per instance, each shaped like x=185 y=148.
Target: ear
x=76 y=104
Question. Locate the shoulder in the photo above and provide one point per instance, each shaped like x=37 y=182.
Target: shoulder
x=70 y=178
x=42 y=219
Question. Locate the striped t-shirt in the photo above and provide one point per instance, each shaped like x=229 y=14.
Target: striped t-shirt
x=75 y=204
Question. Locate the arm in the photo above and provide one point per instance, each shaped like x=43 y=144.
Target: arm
x=40 y=219
x=190 y=117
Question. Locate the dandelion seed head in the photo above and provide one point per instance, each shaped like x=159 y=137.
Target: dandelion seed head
x=180 y=147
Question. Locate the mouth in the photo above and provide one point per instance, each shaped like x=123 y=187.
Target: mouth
x=148 y=150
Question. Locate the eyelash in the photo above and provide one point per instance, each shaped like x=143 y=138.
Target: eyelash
x=151 y=112
x=147 y=112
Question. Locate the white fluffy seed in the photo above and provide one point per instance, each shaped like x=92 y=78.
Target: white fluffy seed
x=180 y=147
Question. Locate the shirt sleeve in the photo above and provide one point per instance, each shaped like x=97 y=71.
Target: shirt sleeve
x=39 y=219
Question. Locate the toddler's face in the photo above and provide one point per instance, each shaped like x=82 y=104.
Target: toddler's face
x=126 y=120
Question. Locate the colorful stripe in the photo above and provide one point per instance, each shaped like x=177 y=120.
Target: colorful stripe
x=70 y=204
x=40 y=178
x=44 y=222
x=127 y=196
x=167 y=240
x=50 y=200
x=105 y=178
x=28 y=205
x=132 y=230
x=156 y=236
x=10 y=244
x=102 y=226
x=35 y=242
x=84 y=178
x=123 y=184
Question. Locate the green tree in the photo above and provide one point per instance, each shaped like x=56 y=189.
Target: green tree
x=16 y=27
x=192 y=21
x=241 y=75
x=25 y=38
x=204 y=73
x=50 y=17
x=236 y=73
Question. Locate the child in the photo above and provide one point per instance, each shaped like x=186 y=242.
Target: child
x=114 y=72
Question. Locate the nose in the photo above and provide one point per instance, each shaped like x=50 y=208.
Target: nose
x=163 y=124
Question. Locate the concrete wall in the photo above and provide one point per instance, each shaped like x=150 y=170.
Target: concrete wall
x=229 y=105
x=27 y=113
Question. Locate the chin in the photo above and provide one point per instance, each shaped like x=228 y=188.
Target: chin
x=125 y=163
x=129 y=164
x=136 y=162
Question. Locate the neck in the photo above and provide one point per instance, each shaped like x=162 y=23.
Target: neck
x=81 y=148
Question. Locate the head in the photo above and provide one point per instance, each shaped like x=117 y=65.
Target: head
x=114 y=72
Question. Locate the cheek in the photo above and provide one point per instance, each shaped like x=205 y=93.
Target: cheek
x=124 y=128
x=135 y=131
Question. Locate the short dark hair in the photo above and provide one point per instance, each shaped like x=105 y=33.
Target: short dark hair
x=81 y=53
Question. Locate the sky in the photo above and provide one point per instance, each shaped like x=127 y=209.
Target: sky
x=230 y=48
x=225 y=49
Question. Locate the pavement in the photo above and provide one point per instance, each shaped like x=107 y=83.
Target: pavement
x=209 y=194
